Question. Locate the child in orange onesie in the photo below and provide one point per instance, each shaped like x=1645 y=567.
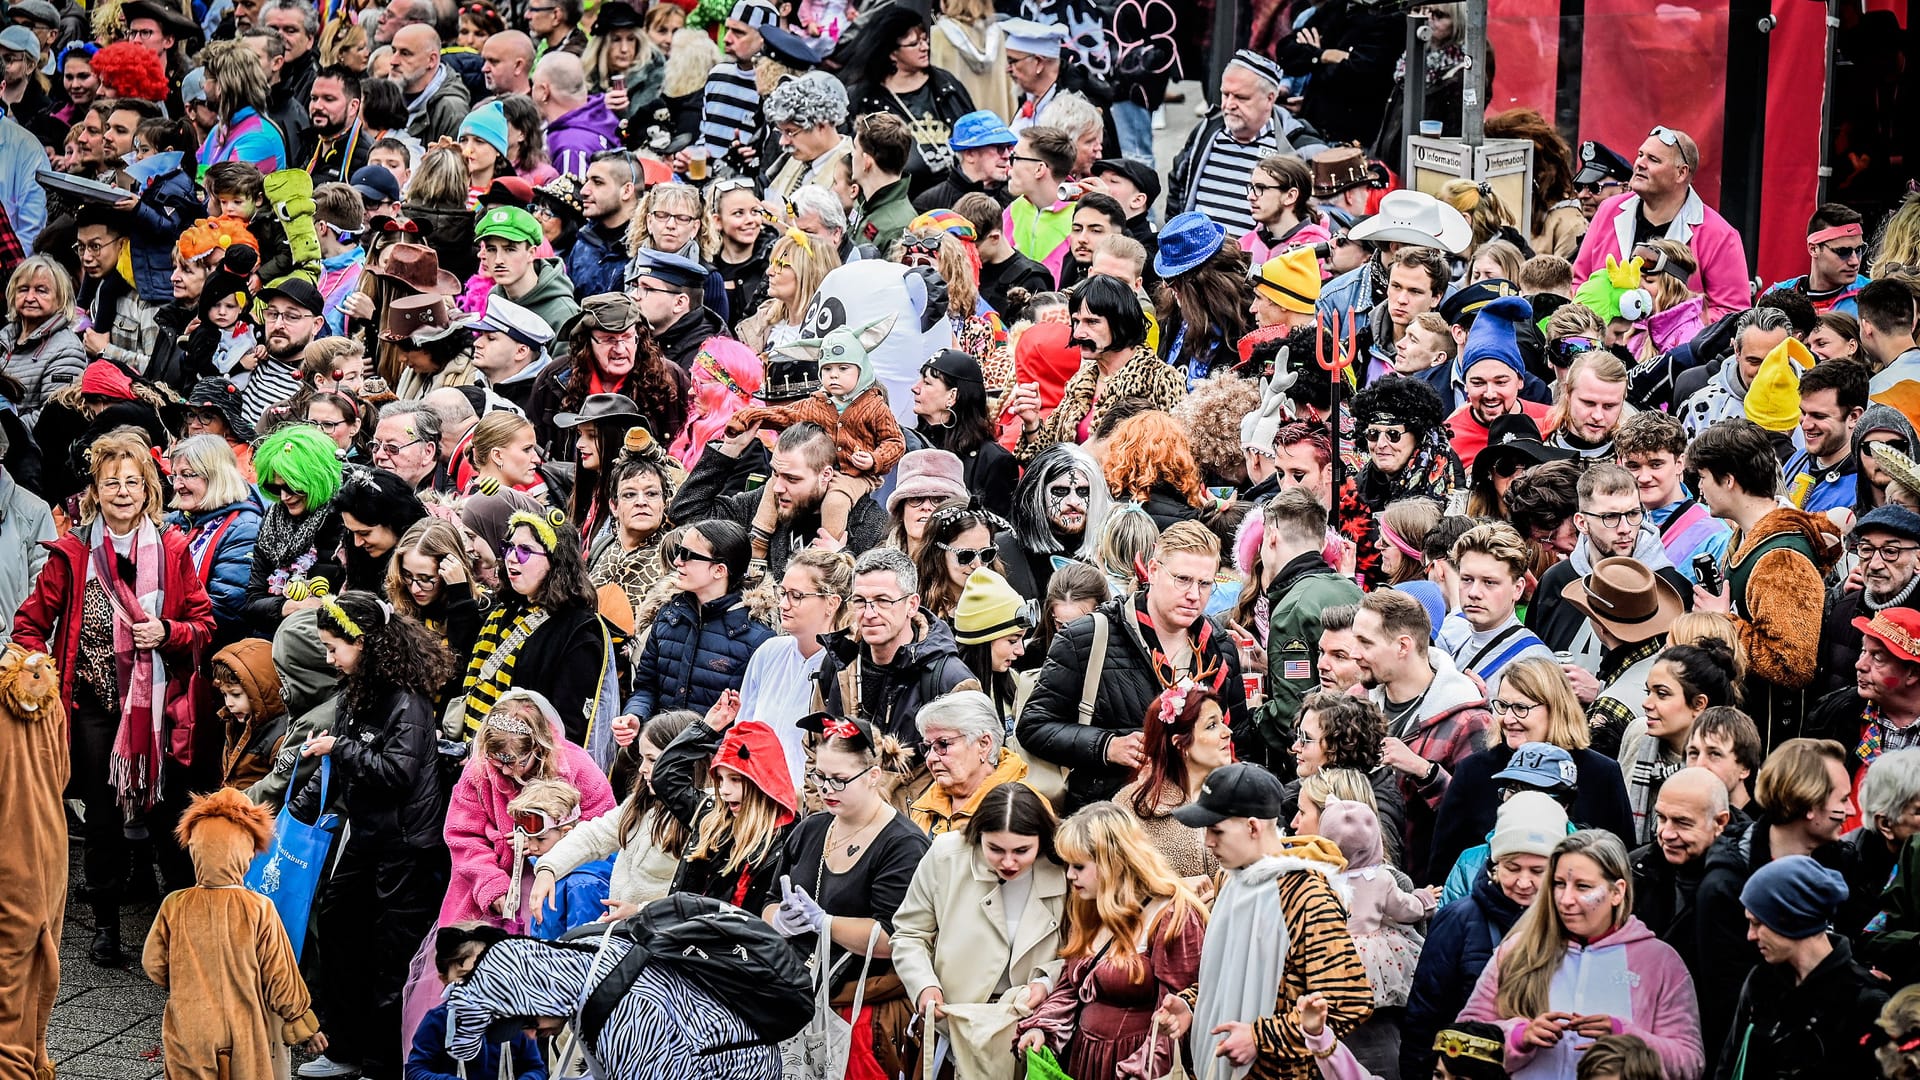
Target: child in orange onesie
x=235 y=999
x=852 y=408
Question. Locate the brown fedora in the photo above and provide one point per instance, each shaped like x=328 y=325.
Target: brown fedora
x=417 y=266
x=419 y=319
x=1632 y=602
x=1339 y=169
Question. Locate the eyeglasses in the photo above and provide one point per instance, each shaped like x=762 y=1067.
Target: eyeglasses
x=283 y=315
x=419 y=581
x=329 y=426
x=1515 y=709
x=794 y=596
x=1612 y=521
x=188 y=474
x=678 y=219
x=1301 y=738
x=97 y=247
x=1385 y=434
x=1024 y=157
x=967 y=556
x=1260 y=191
x=1016 y=61
x=1183 y=584
x=864 y=602
x=1847 y=254
x=1888 y=553
x=115 y=486
x=942 y=747
x=391 y=449
x=524 y=553
x=835 y=783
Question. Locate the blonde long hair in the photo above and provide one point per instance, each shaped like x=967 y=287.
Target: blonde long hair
x=691 y=56
x=492 y=740
x=1538 y=942
x=1133 y=874
x=753 y=831
x=1542 y=680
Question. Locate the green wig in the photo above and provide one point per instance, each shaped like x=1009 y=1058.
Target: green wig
x=302 y=458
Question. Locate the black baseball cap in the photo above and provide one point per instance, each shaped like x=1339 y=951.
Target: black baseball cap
x=1141 y=174
x=1238 y=790
x=298 y=290
x=955 y=366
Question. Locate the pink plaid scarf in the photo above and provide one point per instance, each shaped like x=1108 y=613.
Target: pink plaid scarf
x=134 y=769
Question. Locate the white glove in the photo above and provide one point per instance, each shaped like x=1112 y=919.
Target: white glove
x=798 y=913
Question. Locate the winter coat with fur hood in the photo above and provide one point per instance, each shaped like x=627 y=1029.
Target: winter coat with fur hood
x=251 y=743
x=479 y=830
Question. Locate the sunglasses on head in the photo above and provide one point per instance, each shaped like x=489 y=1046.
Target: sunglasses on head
x=1563 y=350
x=927 y=245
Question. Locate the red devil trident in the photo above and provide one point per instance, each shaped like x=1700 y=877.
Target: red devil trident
x=1334 y=366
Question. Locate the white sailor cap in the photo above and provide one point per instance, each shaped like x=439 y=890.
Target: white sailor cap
x=506 y=317
x=1039 y=39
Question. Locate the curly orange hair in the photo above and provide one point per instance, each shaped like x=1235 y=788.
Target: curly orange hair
x=212 y=236
x=1149 y=449
x=131 y=71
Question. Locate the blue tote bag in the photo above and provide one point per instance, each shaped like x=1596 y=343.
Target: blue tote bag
x=289 y=871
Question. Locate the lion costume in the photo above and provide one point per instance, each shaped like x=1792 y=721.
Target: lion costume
x=235 y=998
x=33 y=862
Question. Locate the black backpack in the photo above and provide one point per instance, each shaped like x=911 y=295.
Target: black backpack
x=735 y=957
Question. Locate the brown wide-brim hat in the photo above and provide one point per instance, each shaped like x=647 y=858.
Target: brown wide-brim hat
x=1338 y=170
x=1632 y=602
x=416 y=266
x=419 y=319
x=178 y=23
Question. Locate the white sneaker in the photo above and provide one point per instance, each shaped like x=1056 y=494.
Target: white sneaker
x=323 y=1067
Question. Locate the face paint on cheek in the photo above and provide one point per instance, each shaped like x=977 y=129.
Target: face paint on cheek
x=1593 y=899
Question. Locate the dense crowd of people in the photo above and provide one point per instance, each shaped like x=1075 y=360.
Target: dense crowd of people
x=747 y=539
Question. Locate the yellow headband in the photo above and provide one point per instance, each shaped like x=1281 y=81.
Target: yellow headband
x=339 y=614
x=542 y=527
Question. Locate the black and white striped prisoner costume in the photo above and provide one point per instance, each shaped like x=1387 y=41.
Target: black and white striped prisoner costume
x=660 y=1031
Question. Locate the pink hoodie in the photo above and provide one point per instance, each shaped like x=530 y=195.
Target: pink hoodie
x=480 y=832
x=1715 y=243
x=1629 y=975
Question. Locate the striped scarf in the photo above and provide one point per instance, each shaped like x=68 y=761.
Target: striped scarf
x=135 y=766
x=490 y=672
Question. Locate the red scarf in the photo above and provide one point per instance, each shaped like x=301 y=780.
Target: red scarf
x=135 y=767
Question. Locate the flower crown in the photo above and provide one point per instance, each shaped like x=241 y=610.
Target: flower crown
x=1173 y=701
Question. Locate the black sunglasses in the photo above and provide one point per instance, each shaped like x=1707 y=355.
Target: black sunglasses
x=683 y=553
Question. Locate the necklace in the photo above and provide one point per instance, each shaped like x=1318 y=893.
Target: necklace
x=820 y=874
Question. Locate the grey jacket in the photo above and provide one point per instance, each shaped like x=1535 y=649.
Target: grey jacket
x=44 y=361
x=26 y=527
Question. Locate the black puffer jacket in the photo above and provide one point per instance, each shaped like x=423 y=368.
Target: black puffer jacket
x=923 y=670
x=1050 y=727
x=384 y=775
x=1460 y=942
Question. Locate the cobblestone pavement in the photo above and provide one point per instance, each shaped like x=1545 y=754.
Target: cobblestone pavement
x=106 y=1022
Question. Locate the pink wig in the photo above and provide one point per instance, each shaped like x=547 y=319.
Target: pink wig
x=726 y=378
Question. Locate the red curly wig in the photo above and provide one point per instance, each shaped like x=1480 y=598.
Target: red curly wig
x=131 y=71
x=1152 y=448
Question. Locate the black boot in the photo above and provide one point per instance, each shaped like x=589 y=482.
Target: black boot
x=140 y=887
x=105 y=951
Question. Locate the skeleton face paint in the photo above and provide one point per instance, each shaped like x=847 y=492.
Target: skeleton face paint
x=1067 y=497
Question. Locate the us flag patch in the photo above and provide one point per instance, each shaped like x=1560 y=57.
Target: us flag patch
x=1295 y=669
